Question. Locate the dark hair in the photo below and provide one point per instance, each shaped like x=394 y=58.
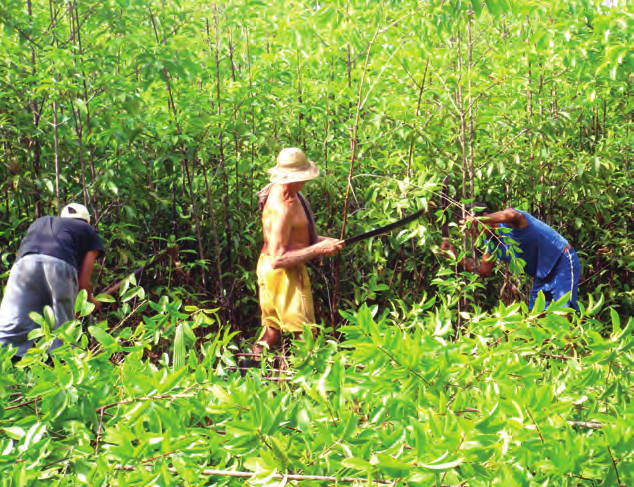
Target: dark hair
x=478 y=208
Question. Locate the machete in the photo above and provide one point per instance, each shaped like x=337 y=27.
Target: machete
x=171 y=252
x=444 y=195
x=385 y=229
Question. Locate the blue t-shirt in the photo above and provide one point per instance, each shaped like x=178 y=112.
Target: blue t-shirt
x=64 y=238
x=540 y=246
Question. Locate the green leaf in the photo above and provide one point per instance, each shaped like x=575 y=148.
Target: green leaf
x=80 y=105
x=442 y=466
x=82 y=306
x=103 y=337
x=136 y=291
x=494 y=7
x=44 y=321
x=393 y=466
x=489 y=424
x=82 y=299
x=476 y=5
x=180 y=353
x=14 y=432
x=357 y=464
x=105 y=298
x=33 y=436
x=540 y=303
x=442 y=329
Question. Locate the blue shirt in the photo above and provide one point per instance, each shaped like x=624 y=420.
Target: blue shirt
x=539 y=244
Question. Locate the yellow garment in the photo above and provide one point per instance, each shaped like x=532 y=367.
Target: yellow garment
x=285 y=296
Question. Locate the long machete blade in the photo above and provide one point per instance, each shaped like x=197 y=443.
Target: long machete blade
x=385 y=229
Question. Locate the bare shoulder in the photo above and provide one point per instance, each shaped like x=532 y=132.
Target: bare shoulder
x=275 y=208
x=275 y=194
x=281 y=200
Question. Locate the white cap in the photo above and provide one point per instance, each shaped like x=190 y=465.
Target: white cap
x=75 y=210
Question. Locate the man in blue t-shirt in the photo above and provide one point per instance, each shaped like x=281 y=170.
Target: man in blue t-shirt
x=545 y=254
x=55 y=261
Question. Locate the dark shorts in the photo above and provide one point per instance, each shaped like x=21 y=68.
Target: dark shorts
x=36 y=281
x=563 y=278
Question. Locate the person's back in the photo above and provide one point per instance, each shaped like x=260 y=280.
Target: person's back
x=64 y=238
x=548 y=256
x=541 y=246
x=54 y=262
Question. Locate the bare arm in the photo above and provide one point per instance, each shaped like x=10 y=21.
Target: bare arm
x=510 y=217
x=292 y=258
x=278 y=229
x=85 y=272
x=484 y=267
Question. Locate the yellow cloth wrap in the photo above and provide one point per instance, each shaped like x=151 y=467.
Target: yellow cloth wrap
x=285 y=296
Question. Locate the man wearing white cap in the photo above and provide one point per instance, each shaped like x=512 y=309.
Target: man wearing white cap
x=290 y=240
x=55 y=261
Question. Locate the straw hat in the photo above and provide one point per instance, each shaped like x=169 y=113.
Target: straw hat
x=293 y=166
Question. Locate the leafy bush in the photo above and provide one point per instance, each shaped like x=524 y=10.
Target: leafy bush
x=511 y=397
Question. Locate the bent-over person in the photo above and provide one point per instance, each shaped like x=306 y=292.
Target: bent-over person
x=54 y=262
x=290 y=240
x=549 y=259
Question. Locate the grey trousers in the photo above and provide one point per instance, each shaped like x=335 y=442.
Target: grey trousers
x=36 y=281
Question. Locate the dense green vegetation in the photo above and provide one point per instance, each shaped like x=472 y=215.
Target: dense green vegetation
x=516 y=400
x=162 y=118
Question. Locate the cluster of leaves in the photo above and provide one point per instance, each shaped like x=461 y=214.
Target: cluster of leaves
x=163 y=116
x=512 y=397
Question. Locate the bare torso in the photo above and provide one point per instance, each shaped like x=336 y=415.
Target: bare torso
x=284 y=222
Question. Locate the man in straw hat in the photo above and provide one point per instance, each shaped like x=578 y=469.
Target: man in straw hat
x=55 y=261
x=290 y=240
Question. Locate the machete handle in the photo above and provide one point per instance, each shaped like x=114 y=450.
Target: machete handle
x=171 y=252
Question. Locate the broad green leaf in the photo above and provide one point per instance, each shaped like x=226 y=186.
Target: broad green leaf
x=442 y=466
x=102 y=336
x=105 y=298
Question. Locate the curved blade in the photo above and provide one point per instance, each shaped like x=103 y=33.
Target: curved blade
x=387 y=228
